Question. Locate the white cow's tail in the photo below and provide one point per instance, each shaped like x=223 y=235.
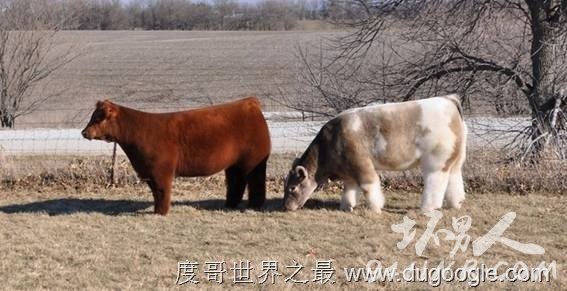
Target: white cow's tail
x=457 y=101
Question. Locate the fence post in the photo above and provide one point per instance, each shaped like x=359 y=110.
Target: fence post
x=112 y=177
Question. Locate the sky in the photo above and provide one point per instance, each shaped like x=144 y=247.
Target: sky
x=239 y=1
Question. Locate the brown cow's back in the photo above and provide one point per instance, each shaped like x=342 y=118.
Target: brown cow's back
x=231 y=134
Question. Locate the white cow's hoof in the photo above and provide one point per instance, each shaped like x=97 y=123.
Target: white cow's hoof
x=427 y=209
x=455 y=204
x=347 y=208
x=375 y=209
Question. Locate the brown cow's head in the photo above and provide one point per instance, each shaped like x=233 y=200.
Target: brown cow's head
x=103 y=125
x=298 y=187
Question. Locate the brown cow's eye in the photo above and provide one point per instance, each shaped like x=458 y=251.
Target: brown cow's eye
x=99 y=116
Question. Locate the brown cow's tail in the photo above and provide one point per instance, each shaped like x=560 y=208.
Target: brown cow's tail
x=253 y=100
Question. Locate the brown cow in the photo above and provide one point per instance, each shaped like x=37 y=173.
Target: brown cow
x=233 y=137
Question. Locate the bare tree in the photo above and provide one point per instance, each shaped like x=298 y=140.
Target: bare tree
x=321 y=90
x=224 y=9
x=27 y=55
x=505 y=52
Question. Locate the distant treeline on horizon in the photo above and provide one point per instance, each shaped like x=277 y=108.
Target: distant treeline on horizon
x=190 y=15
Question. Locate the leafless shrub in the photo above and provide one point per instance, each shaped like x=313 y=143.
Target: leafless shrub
x=27 y=56
x=487 y=172
x=6 y=165
x=484 y=175
x=38 y=172
x=546 y=137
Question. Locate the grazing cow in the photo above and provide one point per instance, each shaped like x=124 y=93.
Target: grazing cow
x=359 y=142
x=232 y=137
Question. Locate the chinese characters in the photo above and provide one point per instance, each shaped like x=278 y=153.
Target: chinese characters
x=460 y=237
x=241 y=272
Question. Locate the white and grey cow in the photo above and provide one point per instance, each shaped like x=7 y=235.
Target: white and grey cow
x=360 y=142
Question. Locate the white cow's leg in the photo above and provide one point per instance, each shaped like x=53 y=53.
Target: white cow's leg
x=455 y=190
x=455 y=194
x=348 y=200
x=434 y=190
x=374 y=196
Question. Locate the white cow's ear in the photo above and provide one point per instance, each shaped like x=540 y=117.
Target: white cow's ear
x=295 y=162
x=301 y=173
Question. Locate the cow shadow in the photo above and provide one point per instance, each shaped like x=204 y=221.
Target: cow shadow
x=271 y=205
x=66 y=206
x=396 y=209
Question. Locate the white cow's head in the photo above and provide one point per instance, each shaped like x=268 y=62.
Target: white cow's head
x=298 y=187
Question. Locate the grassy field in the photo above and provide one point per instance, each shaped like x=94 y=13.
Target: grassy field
x=83 y=235
x=172 y=70
x=154 y=70
x=60 y=227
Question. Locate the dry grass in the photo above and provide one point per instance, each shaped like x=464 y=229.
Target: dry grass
x=61 y=227
x=485 y=172
x=164 y=69
x=82 y=235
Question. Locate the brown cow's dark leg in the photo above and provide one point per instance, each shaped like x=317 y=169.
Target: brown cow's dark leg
x=153 y=188
x=257 y=185
x=235 y=186
x=161 y=190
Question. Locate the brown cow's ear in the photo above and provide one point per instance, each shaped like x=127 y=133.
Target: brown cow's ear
x=109 y=109
x=301 y=173
x=102 y=103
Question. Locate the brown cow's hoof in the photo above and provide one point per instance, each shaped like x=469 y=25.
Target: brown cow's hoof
x=256 y=207
x=256 y=204
x=162 y=212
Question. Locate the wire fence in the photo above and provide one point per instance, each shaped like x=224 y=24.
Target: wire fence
x=57 y=131
x=286 y=137
x=51 y=145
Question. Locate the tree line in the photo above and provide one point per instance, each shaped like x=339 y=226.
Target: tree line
x=190 y=15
